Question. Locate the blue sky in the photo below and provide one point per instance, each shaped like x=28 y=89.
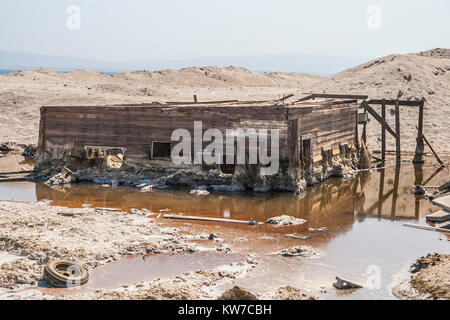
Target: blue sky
x=136 y=30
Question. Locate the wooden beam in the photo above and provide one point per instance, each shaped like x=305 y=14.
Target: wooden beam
x=356 y=131
x=397 y=131
x=380 y=193
x=377 y=117
x=395 y=190
x=418 y=155
x=197 y=218
x=286 y=97
x=204 y=102
x=364 y=132
x=332 y=96
x=195 y=98
x=432 y=150
x=383 y=131
x=400 y=102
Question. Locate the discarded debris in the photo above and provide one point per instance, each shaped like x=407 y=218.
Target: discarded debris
x=320 y=229
x=285 y=220
x=65 y=274
x=439 y=216
x=342 y=284
x=60 y=179
x=419 y=190
x=299 y=237
x=71 y=214
x=180 y=217
x=106 y=209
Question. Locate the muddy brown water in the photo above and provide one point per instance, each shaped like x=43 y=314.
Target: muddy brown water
x=366 y=241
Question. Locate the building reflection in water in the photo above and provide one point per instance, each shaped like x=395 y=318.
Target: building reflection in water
x=384 y=193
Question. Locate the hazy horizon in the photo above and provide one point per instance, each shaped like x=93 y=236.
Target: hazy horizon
x=176 y=33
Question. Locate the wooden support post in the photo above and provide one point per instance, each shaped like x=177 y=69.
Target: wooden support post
x=364 y=132
x=395 y=190
x=383 y=131
x=356 y=131
x=195 y=98
x=380 y=193
x=419 y=146
x=397 y=131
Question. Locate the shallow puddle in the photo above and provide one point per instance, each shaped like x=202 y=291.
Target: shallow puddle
x=132 y=270
x=365 y=238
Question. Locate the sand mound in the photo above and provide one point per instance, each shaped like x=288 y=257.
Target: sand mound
x=214 y=76
x=430 y=280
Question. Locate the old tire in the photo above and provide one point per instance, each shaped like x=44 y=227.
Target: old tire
x=65 y=273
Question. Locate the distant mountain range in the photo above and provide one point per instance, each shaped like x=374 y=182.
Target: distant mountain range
x=302 y=63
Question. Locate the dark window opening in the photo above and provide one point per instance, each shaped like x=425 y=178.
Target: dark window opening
x=227 y=168
x=161 y=150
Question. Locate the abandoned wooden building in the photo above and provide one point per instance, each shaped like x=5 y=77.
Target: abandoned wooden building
x=310 y=132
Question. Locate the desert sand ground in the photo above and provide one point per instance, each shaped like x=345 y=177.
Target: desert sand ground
x=412 y=76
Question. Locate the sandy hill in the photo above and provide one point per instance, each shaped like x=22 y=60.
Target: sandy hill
x=423 y=75
x=216 y=76
x=416 y=76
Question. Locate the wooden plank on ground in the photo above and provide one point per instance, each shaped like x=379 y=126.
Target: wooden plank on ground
x=419 y=226
x=443 y=202
x=196 y=218
x=439 y=216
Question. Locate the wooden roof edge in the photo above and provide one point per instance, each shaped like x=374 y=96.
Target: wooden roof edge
x=411 y=103
x=332 y=96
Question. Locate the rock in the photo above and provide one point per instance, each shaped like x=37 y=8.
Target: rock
x=60 y=179
x=226 y=188
x=223 y=248
x=146 y=187
x=342 y=284
x=418 y=190
x=143 y=212
x=237 y=293
x=285 y=220
x=300 y=251
x=252 y=258
x=291 y=293
x=212 y=236
x=198 y=192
